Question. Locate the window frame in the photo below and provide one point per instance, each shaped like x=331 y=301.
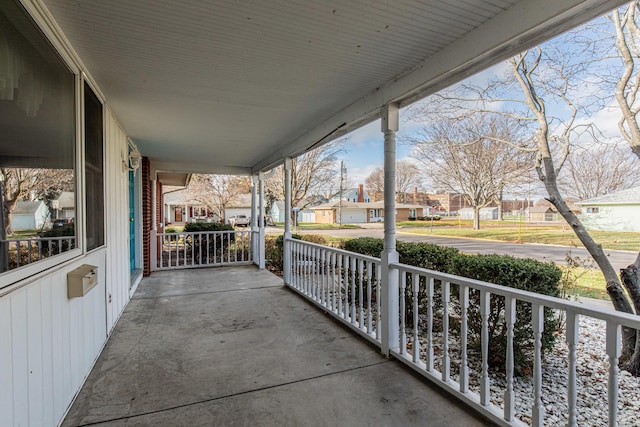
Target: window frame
x=15 y=279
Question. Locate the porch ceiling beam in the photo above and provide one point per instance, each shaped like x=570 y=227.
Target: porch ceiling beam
x=527 y=24
x=158 y=165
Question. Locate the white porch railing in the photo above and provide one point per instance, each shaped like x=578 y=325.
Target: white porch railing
x=15 y=253
x=434 y=341
x=344 y=283
x=203 y=249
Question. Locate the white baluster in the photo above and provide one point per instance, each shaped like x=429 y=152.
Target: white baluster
x=353 y=290
x=378 y=302
x=509 y=397
x=484 y=376
x=340 y=283
x=537 y=314
x=403 y=320
x=415 y=281
x=445 y=287
x=573 y=331
x=332 y=264
x=370 y=266
x=430 y=283
x=464 y=364
x=360 y=294
x=613 y=351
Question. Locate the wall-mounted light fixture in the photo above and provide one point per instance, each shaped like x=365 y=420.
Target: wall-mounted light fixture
x=135 y=159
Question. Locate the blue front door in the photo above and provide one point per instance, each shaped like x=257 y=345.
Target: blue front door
x=132 y=225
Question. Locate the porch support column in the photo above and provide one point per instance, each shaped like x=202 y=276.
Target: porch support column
x=254 y=218
x=153 y=234
x=389 y=285
x=286 y=255
x=261 y=230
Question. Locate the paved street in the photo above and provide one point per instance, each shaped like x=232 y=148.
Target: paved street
x=556 y=254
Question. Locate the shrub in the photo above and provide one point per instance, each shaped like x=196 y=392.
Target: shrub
x=525 y=274
x=369 y=246
x=314 y=238
x=55 y=246
x=199 y=242
x=274 y=252
x=207 y=226
x=412 y=218
x=170 y=230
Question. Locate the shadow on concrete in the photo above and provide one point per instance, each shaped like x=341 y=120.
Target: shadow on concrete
x=233 y=347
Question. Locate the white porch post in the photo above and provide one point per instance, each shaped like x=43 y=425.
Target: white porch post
x=261 y=230
x=254 y=218
x=286 y=256
x=389 y=279
x=153 y=235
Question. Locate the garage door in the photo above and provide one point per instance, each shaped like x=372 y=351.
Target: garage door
x=354 y=216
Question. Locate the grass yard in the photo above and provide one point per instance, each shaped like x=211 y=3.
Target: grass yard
x=589 y=282
x=525 y=233
x=318 y=226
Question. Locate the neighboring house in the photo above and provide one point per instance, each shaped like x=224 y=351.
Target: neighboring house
x=485 y=213
x=180 y=206
x=240 y=206
x=29 y=215
x=617 y=211
x=359 y=213
x=306 y=215
x=539 y=214
x=64 y=206
x=357 y=195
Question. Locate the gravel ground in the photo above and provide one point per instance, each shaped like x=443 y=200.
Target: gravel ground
x=592 y=371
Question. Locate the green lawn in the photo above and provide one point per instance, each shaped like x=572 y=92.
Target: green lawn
x=524 y=233
x=317 y=226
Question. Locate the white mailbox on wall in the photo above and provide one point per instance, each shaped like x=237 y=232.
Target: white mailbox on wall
x=81 y=280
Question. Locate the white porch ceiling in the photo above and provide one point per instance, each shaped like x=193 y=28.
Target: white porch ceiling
x=234 y=86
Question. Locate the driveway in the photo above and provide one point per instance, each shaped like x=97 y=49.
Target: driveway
x=553 y=253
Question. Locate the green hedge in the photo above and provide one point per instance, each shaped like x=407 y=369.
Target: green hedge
x=199 y=243
x=526 y=274
x=207 y=226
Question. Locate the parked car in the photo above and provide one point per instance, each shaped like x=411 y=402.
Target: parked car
x=239 y=220
x=61 y=222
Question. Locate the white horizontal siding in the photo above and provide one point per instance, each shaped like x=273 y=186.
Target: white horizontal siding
x=612 y=218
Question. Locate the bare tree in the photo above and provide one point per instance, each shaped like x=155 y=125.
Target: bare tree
x=375 y=183
x=627 y=43
x=32 y=184
x=626 y=94
x=313 y=173
x=408 y=176
x=468 y=155
x=598 y=170
x=544 y=91
x=217 y=192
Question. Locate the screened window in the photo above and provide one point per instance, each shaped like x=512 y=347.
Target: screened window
x=37 y=148
x=94 y=155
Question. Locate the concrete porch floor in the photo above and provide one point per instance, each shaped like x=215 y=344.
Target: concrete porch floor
x=233 y=347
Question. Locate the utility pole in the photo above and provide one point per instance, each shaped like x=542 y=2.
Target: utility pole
x=343 y=171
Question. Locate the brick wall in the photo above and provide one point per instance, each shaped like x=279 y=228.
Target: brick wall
x=146 y=216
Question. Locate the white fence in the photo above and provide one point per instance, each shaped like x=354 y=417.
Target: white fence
x=16 y=253
x=344 y=283
x=203 y=249
x=444 y=333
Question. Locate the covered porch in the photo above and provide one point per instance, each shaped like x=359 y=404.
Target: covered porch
x=233 y=346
